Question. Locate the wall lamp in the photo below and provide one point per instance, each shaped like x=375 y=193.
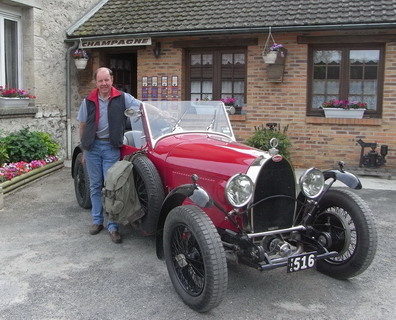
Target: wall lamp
x=157 y=49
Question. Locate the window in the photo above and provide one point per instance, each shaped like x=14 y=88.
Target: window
x=217 y=74
x=353 y=73
x=10 y=60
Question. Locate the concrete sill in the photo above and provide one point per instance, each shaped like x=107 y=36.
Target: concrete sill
x=17 y=112
x=344 y=121
x=237 y=117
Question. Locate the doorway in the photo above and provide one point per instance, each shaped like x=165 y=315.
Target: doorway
x=124 y=67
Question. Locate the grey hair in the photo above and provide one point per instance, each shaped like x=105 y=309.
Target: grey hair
x=97 y=70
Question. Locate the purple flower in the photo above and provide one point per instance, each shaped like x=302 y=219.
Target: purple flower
x=276 y=47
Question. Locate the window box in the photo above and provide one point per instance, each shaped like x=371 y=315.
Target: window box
x=342 y=113
x=14 y=102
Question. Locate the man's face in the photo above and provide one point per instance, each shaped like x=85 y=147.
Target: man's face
x=104 y=82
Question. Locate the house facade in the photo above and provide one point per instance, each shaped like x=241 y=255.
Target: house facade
x=188 y=49
x=33 y=56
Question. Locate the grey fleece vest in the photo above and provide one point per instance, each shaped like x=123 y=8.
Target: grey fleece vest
x=116 y=118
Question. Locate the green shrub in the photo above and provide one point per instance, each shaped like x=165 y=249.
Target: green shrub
x=3 y=152
x=28 y=146
x=262 y=136
x=51 y=145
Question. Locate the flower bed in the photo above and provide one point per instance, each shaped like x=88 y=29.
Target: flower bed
x=11 y=170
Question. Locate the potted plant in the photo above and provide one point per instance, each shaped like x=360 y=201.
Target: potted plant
x=270 y=54
x=230 y=105
x=12 y=97
x=80 y=57
x=344 y=109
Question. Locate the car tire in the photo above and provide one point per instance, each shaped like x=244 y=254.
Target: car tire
x=195 y=258
x=349 y=224
x=150 y=192
x=81 y=183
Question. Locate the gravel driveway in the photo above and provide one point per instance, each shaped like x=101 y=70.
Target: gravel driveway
x=51 y=268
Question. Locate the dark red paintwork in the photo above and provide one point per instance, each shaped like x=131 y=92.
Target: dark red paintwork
x=213 y=158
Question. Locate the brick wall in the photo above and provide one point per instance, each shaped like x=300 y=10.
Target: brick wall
x=317 y=141
x=169 y=64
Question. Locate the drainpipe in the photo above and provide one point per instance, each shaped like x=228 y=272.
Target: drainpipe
x=68 y=101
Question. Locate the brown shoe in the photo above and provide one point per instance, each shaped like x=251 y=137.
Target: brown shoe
x=115 y=236
x=95 y=229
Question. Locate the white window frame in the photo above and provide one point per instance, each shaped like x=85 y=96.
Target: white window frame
x=14 y=14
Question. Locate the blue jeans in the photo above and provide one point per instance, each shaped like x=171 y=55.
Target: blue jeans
x=98 y=160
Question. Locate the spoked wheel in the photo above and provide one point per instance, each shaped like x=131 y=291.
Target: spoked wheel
x=81 y=183
x=195 y=258
x=347 y=226
x=149 y=191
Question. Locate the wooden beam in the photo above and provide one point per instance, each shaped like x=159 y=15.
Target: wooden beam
x=210 y=43
x=347 y=39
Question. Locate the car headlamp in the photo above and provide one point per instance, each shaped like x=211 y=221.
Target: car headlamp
x=312 y=182
x=239 y=190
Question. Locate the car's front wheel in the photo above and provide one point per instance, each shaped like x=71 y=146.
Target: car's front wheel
x=347 y=226
x=195 y=258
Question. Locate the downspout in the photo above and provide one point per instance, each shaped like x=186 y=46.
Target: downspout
x=68 y=101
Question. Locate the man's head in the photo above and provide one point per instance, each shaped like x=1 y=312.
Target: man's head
x=104 y=81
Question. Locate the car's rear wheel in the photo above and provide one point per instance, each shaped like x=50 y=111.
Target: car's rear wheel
x=347 y=223
x=81 y=183
x=195 y=258
x=150 y=192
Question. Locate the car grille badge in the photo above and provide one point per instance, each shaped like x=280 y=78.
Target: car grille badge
x=277 y=158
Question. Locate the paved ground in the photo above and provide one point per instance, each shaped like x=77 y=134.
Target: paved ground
x=51 y=268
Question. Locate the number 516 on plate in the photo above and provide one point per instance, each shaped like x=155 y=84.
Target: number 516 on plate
x=301 y=262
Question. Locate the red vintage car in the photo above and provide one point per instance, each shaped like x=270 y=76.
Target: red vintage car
x=208 y=198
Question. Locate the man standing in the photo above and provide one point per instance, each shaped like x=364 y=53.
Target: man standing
x=102 y=125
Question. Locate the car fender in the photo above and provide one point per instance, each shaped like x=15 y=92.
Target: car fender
x=175 y=198
x=349 y=179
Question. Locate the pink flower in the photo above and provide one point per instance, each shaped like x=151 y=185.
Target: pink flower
x=11 y=170
x=228 y=101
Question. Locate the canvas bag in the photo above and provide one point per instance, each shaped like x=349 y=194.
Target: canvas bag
x=119 y=197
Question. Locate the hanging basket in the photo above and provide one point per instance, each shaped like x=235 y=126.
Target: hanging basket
x=273 y=53
x=270 y=57
x=81 y=63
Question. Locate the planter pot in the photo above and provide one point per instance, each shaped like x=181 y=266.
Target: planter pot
x=238 y=109
x=230 y=109
x=80 y=63
x=341 y=113
x=270 y=57
x=14 y=102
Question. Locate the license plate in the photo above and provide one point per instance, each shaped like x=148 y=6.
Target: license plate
x=301 y=262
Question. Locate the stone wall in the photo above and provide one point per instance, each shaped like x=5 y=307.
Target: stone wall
x=44 y=67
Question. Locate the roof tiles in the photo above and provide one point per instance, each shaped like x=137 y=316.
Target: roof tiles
x=156 y=16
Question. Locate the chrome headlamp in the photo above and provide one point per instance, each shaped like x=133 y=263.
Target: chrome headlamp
x=239 y=190
x=312 y=182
